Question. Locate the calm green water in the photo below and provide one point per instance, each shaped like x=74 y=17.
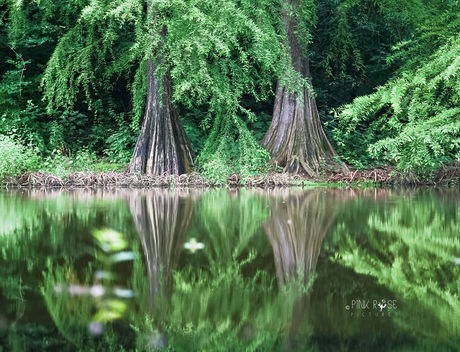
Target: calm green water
x=220 y=270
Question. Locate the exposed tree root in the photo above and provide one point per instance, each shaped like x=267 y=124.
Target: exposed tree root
x=135 y=181
x=447 y=175
x=378 y=176
x=107 y=179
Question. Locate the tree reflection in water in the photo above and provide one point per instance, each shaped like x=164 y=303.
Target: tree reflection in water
x=229 y=298
x=409 y=246
x=162 y=218
x=249 y=287
x=299 y=222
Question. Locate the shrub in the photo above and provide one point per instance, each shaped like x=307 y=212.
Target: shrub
x=62 y=165
x=231 y=148
x=16 y=158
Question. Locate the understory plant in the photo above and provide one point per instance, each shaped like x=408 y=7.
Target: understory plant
x=231 y=148
x=15 y=157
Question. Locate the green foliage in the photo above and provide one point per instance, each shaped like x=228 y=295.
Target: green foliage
x=230 y=47
x=119 y=146
x=31 y=30
x=233 y=50
x=16 y=158
x=90 y=53
x=191 y=118
x=120 y=143
x=439 y=23
x=223 y=58
x=231 y=148
x=412 y=121
x=214 y=52
x=352 y=42
x=360 y=45
x=19 y=113
x=61 y=165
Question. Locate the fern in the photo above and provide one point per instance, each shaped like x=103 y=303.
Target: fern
x=418 y=113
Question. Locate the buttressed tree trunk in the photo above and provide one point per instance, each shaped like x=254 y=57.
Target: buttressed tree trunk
x=162 y=147
x=296 y=139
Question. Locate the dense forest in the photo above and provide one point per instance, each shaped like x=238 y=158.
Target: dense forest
x=230 y=86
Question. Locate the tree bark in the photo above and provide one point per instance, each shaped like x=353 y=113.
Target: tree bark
x=162 y=147
x=296 y=139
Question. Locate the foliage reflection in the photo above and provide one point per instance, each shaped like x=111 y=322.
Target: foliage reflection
x=219 y=270
x=409 y=245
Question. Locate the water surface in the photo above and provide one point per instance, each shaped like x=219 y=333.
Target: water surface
x=230 y=270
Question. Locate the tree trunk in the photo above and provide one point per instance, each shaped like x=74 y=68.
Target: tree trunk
x=296 y=139
x=162 y=147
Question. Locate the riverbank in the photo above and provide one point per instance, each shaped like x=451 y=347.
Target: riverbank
x=130 y=180
x=445 y=176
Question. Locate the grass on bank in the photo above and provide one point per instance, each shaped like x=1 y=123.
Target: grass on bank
x=22 y=166
x=17 y=158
